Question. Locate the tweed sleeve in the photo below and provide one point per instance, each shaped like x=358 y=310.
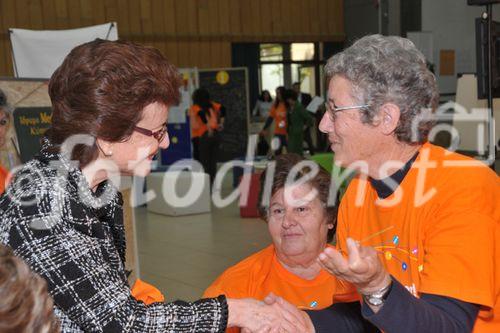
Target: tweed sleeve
x=96 y=297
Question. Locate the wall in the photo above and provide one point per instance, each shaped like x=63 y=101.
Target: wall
x=452 y=25
x=361 y=18
x=188 y=32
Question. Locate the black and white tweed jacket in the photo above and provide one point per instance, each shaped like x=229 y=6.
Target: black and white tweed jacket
x=75 y=240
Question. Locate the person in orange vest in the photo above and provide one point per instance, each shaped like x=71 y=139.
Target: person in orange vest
x=4 y=126
x=278 y=114
x=207 y=121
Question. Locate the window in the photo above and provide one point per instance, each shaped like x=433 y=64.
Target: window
x=271 y=77
x=285 y=63
x=271 y=52
x=302 y=51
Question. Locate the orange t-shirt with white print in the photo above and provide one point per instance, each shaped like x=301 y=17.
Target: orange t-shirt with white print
x=262 y=273
x=438 y=233
x=278 y=113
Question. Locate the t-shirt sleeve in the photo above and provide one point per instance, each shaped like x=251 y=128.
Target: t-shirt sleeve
x=215 y=288
x=459 y=243
x=233 y=283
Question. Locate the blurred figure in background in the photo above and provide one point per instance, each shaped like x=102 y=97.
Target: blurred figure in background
x=263 y=105
x=25 y=305
x=321 y=138
x=207 y=121
x=278 y=114
x=305 y=99
x=298 y=119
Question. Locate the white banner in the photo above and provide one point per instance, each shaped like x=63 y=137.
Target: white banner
x=37 y=53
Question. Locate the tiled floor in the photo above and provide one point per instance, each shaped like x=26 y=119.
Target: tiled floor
x=182 y=255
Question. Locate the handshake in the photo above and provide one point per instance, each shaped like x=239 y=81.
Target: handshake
x=273 y=315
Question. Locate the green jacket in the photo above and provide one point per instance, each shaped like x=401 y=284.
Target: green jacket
x=298 y=118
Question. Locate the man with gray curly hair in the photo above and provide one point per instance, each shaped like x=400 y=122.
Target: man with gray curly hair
x=418 y=228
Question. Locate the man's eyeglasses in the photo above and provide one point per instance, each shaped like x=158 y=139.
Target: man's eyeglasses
x=158 y=135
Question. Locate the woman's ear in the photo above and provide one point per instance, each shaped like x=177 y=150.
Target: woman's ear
x=105 y=147
x=389 y=118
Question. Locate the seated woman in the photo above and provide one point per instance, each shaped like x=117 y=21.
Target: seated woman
x=300 y=229
x=63 y=214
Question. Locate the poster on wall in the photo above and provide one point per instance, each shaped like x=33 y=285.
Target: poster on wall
x=31 y=123
x=229 y=86
x=178 y=124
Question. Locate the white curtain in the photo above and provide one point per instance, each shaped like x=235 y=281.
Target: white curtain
x=37 y=53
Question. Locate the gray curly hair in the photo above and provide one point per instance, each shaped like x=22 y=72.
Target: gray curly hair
x=391 y=69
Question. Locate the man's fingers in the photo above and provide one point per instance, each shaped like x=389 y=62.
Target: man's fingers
x=291 y=313
x=333 y=261
x=357 y=263
x=270 y=299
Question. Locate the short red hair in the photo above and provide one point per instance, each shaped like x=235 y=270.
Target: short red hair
x=101 y=88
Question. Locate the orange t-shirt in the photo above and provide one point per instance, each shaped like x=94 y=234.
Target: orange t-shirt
x=279 y=115
x=3 y=179
x=146 y=293
x=443 y=235
x=262 y=273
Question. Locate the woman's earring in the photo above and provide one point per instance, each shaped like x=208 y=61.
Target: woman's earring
x=108 y=154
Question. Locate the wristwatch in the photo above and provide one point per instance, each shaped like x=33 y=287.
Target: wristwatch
x=377 y=298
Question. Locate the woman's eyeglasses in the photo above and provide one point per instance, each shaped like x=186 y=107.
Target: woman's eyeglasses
x=333 y=109
x=158 y=135
x=4 y=121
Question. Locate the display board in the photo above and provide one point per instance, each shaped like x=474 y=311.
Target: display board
x=30 y=124
x=229 y=86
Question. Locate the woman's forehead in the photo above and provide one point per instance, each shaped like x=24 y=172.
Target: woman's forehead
x=298 y=192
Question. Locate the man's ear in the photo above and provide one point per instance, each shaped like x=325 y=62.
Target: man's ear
x=389 y=118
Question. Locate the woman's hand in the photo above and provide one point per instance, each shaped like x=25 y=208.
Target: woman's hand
x=258 y=317
x=362 y=267
x=301 y=319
